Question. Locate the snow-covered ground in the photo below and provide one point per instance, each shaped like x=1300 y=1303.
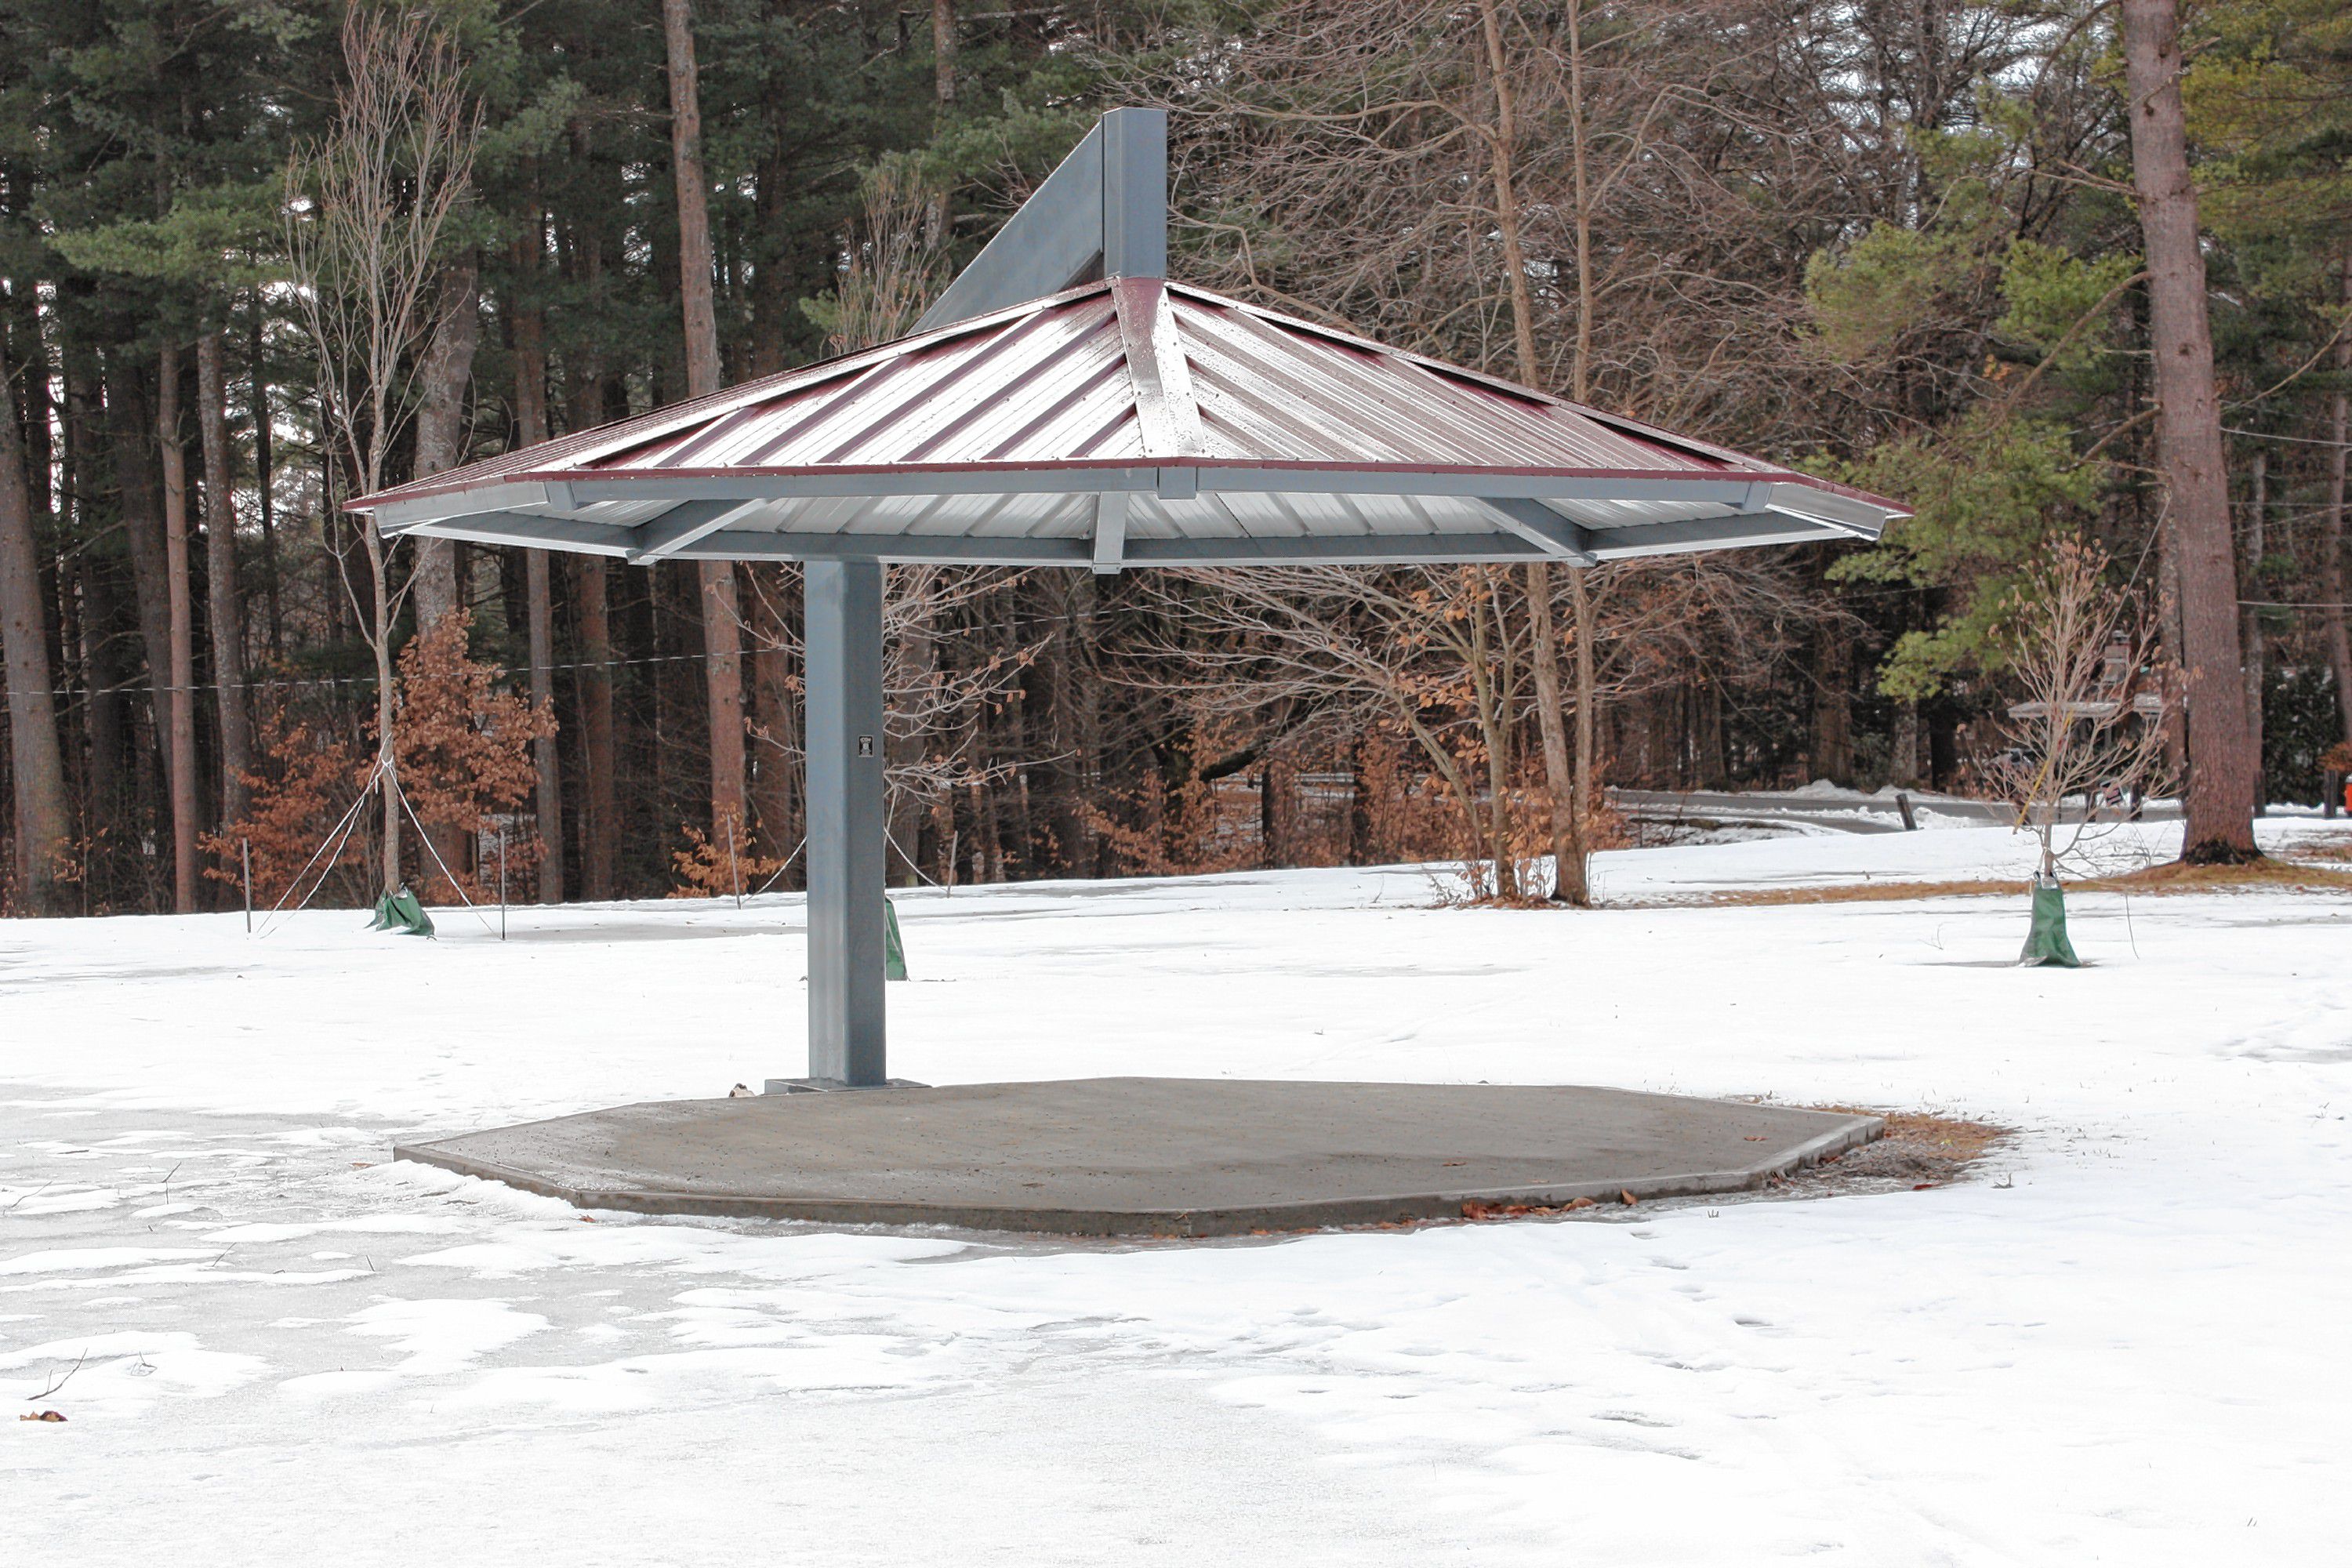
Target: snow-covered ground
x=2123 y=1343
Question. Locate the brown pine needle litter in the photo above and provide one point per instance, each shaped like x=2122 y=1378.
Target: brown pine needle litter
x=2267 y=875
x=2334 y=846
x=1919 y=1150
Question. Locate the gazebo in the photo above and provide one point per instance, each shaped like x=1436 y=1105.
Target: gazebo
x=1065 y=404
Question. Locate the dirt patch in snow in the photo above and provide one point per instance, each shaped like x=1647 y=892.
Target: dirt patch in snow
x=1916 y=1151
x=2268 y=875
x=2324 y=847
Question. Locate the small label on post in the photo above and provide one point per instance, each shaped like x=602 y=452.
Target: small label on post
x=865 y=746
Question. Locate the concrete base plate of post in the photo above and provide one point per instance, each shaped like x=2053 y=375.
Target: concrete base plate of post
x=1142 y=1156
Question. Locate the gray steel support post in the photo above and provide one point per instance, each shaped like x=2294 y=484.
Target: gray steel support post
x=845 y=934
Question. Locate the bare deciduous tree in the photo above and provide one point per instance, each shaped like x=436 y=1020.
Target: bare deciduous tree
x=366 y=210
x=1437 y=655
x=2078 y=648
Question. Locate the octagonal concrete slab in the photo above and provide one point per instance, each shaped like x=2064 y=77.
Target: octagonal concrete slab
x=1144 y=1156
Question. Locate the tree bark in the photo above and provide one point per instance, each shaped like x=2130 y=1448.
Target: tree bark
x=1588 y=694
x=775 y=719
x=101 y=653
x=44 y=825
x=1832 y=739
x=224 y=602
x=138 y=488
x=1570 y=883
x=722 y=631
x=263 y=479
x=1903 y=756
x=386 y=728
x=2250 y=630
x=600 y=828
x=183 y=680
x=2220 y=809
x=2332 y=569
x=944 y=51
x=539 y=596
x=448 y=368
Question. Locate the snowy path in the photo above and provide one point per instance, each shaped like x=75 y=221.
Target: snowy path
x=2124 y=1345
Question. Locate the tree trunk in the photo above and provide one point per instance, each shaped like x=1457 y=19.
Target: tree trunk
x=442 y=379
x=774 y=718
x=1588 y=692
x=101 y=652
x=773 y=309
x=2250 y=587
x=44 y=826
x=1570 y=883
x=1714 y=752
x=722 y=631
x=2221 y=799
x=224 y=602
x=443 y=376
x=944 y=51
x=2332 y=569
x=1833 y=740
x=263 y=478
x=539 y=596
x=600 y=830
x=139 y=486
x=387 y=733
x=182 y=681
x=1588 y=703
x=902 y=808
x=1903 y=758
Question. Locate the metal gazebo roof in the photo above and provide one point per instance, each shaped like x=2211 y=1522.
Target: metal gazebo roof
x=1063 y=404
x=1130 y=422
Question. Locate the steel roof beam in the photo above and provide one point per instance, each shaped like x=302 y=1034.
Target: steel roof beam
x=1857 y=519
x=680 y=526
x=1706 y=533
x=1110 y=533
x=531 y=531
x=1545 y=529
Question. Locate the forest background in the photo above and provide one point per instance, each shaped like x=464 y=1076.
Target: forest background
x=1897 y=244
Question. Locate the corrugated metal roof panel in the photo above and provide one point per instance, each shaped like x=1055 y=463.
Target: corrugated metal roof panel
x=1005 y=425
